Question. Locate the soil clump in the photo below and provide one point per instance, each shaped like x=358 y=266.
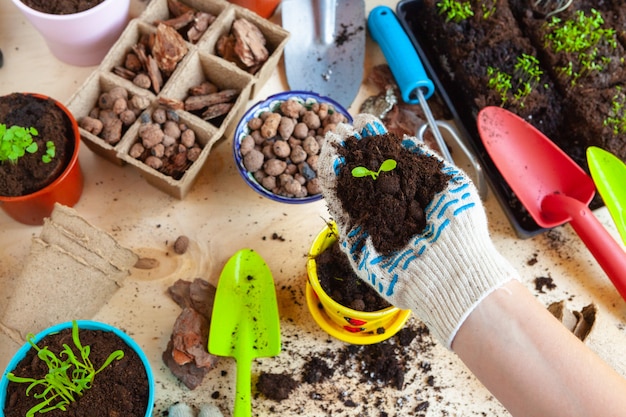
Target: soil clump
x=391 y=207
x=340 y=282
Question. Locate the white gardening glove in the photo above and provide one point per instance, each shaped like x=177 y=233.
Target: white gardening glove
x=443 y=273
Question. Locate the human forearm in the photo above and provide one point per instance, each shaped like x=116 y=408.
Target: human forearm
x=532 y=364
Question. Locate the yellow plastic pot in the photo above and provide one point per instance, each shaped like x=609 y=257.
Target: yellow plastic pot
x=341 y=322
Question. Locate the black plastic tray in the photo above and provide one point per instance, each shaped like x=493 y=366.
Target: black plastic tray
x=464 y=115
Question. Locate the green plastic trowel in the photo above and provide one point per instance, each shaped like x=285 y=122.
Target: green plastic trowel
x=609 y=175
x=245 y=324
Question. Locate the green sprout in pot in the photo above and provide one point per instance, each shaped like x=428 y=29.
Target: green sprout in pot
x=16 y=141
x=386 y=166
x=67 y=378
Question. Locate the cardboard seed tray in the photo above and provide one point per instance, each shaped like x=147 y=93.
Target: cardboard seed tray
x=200 y=63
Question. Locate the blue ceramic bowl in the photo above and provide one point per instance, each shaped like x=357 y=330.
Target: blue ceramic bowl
x=271 y=104
x=82 y=324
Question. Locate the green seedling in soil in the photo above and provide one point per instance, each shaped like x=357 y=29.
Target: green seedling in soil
x=488 y=11
x=581 y=36
x=455 y=11
x=66 y=379
x=386 y=166
x=617 y=119
x=526 y=76
x=16 y=141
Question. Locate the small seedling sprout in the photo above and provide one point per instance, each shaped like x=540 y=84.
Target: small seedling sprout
x=16 y=141
x=527 y=76
x=386 y=166
x=617 y=118
x=66 y=379
x=581 y=36
x=455 y=11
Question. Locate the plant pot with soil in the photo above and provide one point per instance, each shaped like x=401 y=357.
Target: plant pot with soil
x=77 y=32
x=39 y=145
x=340 y=303
x=107 y=374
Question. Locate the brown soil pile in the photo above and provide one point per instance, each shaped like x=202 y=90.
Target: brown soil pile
x=379 y=365
x=61 y=6
x=339 y=281
x=390 y=208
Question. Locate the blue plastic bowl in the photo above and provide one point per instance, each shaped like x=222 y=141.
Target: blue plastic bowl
x=271 y=104
x=82 y=324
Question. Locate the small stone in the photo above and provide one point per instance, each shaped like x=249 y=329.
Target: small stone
x=180 y=410
x=181 y=244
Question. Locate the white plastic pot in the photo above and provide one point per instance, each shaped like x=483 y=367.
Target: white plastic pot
x=84 y=38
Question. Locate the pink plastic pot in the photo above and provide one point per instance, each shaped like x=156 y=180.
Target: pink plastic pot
x=83 y=38
x=66 y=189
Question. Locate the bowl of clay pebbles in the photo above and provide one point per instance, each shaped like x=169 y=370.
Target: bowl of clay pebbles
x=277 y=143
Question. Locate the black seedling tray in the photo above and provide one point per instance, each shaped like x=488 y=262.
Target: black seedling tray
x=464 y=115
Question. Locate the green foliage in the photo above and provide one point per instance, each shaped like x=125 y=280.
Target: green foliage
x=15 y=141
x=580 y=36
x=66 y=379
x=527 y=74
x=386 y=166
x=488 y=10
x=455 y=11
x=617 y=118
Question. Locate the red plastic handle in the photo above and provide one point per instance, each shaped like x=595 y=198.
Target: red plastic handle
x=609 y=254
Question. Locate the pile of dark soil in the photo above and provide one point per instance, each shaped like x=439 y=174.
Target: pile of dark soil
x=339 y=281
x=61 y=6
x=391 y=207
x=380 y=365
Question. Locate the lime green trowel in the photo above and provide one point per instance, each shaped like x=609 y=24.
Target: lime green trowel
x=609 y=175
x=245 y=324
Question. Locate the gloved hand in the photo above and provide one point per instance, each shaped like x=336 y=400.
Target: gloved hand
x=443 y=273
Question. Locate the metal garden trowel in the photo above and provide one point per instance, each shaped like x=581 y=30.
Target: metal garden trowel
x=326 y=47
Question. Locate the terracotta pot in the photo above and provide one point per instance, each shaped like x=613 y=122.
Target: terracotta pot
x=341 y=322
x=82 y=324
x=66 y=189
x=264 y=8
x=83 y=38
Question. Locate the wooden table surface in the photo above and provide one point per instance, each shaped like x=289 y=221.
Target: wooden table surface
x=222 y=214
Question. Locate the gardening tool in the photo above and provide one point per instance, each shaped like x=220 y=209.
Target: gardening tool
x=326 y=48
x=413 y=82
x=552 y=187
x=245 y=324
x=406 y=66
x=609 y=175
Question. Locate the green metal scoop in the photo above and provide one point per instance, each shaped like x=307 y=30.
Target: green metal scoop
x=245 y=324
x=609 y=175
